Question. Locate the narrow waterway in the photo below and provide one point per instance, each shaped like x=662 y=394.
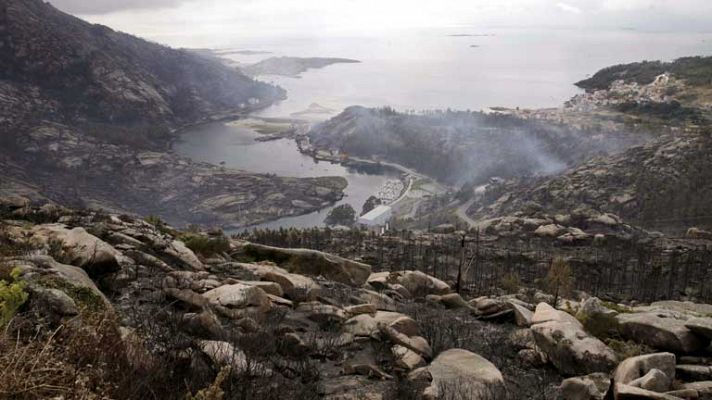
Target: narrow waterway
x=234 y=146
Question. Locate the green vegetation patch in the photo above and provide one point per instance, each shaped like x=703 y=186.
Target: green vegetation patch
x=85 y=298
x=206 y=246
x=341 y=215
x=626 y=349
x=12 y=297
x=696 y=71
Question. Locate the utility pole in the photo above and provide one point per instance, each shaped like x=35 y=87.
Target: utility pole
x=458 y=285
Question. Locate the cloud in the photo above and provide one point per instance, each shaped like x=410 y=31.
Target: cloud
x=199 y=23
x=97 y=7
x=569 y=8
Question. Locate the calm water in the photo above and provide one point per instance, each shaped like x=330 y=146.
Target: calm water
x=430 y=69
x=236 y=148
x=423 y=70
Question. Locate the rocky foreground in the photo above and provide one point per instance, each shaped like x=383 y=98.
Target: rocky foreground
x=100 y=305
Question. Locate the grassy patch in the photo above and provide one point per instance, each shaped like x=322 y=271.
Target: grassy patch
x=626 y=349
x=206 y=246
x=12 y=297
x=616 y=307
x=89 y=303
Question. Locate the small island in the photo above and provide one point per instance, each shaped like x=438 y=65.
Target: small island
x=292 y=66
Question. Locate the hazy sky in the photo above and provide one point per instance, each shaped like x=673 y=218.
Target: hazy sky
x=169 y=20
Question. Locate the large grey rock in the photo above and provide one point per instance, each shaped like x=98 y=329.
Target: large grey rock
x=489 y=306
x=458 y=374
x=203 y=325
x=700 y=326
x=379 y=280
x=454 y=300
x=406 y=358
x=313 y=263
x=522 y=316
x=593 y=307
x=702 y=388
x=546 y=313
x=571 y=349
x=550 y=230
x=627 y=392
x=272 y=288
x=239 y=296
x=178 y=250
x=82 y=248
x=688 y=373
x=186 y=298
x=319 y=312
x=660 y=330
x=366 y=308
x=55 y=301
x=655 y=380
x=684 y=307
x=296 y=287
x=414 y=343
x=589 y=387
x=636 y=367
x=43 y=266
x=416 y=283
x=380 y=300
x=366 y=325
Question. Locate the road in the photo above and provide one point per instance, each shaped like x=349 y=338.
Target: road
x=461 y=212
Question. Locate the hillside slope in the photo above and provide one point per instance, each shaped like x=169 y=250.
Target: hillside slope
x=87 y=116
x=665 y=184
x=662 y=185
x=96 y=73
x=459 y=146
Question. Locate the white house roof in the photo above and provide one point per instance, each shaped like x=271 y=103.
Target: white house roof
x=375 y=214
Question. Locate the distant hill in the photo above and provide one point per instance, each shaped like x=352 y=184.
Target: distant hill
x=461 y=146
x=695 y=71
x=92 y=72
x=664 y=184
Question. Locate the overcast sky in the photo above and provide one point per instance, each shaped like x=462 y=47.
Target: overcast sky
x=166 y=20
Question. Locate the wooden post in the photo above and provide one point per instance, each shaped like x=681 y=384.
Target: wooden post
x=458 y=285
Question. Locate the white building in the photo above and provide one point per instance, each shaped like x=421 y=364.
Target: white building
x=379 y=216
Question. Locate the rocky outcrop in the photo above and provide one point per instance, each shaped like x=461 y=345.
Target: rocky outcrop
x=700 y=326
x=567 y=345
x=368 y=325
x=462 y=375
x=589 y=387
x=652 y=372
x=240 y=300
x=295 y=286
x=661 y=330
x=522 y=315
x=646 y=183
x=313 y=263
x=627 y=392
x=263 y=321
x=410 y=283
x=82 y=249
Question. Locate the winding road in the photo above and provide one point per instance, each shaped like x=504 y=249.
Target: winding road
x=461 y=212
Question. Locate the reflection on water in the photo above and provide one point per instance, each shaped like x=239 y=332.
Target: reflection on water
x=235 y=146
